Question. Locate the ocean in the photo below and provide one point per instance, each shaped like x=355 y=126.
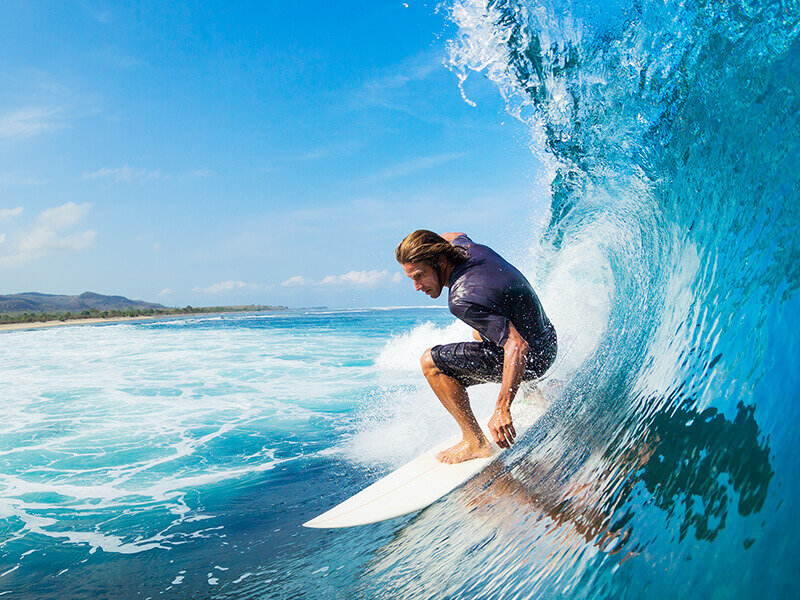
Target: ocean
x=177 y=458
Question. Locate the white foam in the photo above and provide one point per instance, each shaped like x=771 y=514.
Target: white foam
x=403 y=352
x=404 y=417
x=102 y=421
x=577 y=295
x=11 y=570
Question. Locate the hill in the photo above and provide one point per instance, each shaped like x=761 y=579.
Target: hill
x=34 y=302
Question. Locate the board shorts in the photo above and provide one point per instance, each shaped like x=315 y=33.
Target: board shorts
x=472 y=363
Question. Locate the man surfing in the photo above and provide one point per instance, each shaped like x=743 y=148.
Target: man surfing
x=515 y=340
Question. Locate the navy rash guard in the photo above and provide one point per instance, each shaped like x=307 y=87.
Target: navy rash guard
x=487 y=293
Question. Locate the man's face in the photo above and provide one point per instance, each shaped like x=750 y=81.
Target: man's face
x=425 y=278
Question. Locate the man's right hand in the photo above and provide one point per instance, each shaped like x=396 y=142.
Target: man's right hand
x=502 y=428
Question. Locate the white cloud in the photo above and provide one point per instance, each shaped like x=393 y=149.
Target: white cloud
x=8 y=213
x=226 y=286
x=358 y=279
x=408 y=167
x=296 y=281
x=124 y=174
x=166 y=292
x=2 y=237
x=47 y=234
x=43 y=240
x=66 y=215
x=361 y=279
x=27 y=122
x=203 y=173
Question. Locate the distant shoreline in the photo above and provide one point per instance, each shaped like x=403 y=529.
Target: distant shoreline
x=199 y=313
x=43 y=324
x=99 y=320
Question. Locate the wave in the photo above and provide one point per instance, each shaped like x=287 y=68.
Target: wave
x=670 y=268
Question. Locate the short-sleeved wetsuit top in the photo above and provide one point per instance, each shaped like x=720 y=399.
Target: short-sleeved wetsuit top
x=487 y=293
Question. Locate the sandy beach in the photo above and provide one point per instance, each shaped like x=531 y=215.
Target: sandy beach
x=41 y=324
x=94 y=321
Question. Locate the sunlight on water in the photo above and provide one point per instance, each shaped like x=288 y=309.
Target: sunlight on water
x=116 y=438
x=185 y=454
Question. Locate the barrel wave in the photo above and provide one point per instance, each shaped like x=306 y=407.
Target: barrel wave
x=666 y=466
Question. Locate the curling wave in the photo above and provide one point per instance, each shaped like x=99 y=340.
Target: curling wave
x=671 y=130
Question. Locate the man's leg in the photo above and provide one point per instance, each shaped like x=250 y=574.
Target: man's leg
x=454 y=397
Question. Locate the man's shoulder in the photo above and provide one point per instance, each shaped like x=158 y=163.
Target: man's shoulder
x=481 y=253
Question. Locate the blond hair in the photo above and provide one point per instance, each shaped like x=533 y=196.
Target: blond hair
x=426 y=247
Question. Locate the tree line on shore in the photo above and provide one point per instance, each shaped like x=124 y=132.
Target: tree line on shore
x=36 y=317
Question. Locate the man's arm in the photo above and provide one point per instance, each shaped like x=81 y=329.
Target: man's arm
x=451 y=235
x=516 y=350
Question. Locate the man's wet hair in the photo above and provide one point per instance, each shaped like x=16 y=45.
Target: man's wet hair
x=423 y=246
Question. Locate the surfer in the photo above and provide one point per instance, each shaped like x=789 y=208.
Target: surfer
x=515 y=340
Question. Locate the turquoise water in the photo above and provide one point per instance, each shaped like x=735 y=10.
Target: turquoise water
x=671 y=130
x=178 y=458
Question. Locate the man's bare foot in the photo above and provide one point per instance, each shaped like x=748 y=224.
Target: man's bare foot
x=464 y=451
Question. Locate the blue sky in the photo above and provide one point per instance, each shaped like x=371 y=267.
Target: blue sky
x=232 y=152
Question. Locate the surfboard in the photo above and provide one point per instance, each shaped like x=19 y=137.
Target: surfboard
x=422 y=481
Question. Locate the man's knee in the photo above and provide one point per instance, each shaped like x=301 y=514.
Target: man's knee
x=429 y=367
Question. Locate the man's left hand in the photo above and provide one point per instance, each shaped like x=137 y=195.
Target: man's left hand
x=502 y=428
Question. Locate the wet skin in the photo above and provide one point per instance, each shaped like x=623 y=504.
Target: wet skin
x=453 y=395
x=425 y=277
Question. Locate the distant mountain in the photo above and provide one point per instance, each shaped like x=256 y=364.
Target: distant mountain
x=50 y=303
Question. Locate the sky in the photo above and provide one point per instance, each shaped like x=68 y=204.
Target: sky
x=217 y=153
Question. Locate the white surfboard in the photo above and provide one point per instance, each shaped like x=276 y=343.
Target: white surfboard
x=421 y=482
